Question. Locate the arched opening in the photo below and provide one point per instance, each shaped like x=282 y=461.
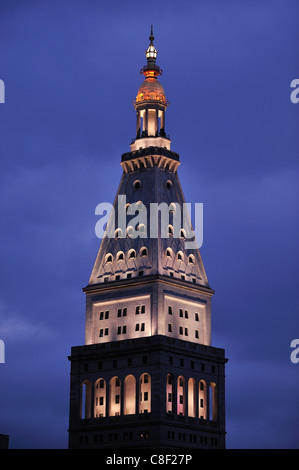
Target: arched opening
x=109 y=258
x=130 y=395
x=181 y=399
x=100 y=398
x=114 y=396
x=169 y=393
x=191 y=259
x=130 y=232
x=143 y=251
x=192 y=397
x=180 y=256
x=202 y=400
x=213 y=411
x=85 y=400
x=170 y=231
x=118 y=233
x=132 y=254
x=120 y=256
x=145 y=393
x=168 y=252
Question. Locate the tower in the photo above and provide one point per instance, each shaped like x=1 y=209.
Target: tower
x=147 y=376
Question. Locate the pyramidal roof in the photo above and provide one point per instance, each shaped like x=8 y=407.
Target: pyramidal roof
x=146 y=235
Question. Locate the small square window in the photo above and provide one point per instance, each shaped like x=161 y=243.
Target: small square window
x=129 y=275
x=106 y=279
x=140 y=273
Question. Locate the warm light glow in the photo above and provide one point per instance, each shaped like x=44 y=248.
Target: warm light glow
x=151 y=89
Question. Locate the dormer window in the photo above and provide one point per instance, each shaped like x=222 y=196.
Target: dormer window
x=143 y=251
x=109 y=258
x=132 y=254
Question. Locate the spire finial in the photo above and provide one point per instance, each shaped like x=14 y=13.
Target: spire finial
x=151 y=37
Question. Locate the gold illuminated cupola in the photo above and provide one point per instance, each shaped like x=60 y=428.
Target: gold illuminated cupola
x=150 y=105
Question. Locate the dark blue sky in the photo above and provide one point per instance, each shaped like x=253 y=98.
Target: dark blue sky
x=71 y=71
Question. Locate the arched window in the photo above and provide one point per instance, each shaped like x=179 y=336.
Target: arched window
x=170 y=398
x=141 y=230
x=118 y=233
x=192 y=397
x=120 y=256
x=172 y=208
x=132 y=254
x=180 y=256
x=168 y=184
x=114 y=396
x=182 y=233
x=168 y=252
x=145 y=393
x=130 y=395
x=137 y=184
x=143 y=251
x=85 y=400
x=213 y=409
x=100 y=398
x=191 y=259
x=202 y=400
x=127 y=206
x=130 y=231
x=109 y=258
x=181 y=399
x=170 y=230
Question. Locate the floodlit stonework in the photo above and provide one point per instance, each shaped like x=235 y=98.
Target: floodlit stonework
x=148 y=376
